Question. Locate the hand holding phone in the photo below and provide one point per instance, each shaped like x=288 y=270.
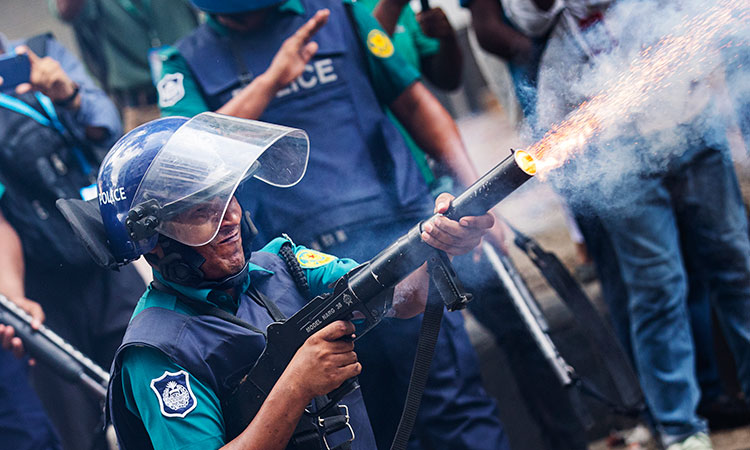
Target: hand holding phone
x=48 y=77
x=15 y=69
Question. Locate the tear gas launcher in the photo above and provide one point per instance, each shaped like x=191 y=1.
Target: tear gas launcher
x=367 y=289
x=50 y=349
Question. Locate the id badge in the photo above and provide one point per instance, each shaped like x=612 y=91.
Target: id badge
x=88 y=192
x=156 y=62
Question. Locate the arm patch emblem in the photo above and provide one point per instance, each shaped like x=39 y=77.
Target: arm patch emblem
x=379 y=44
x=171 y=89
x=310 y=259
x=176 y=398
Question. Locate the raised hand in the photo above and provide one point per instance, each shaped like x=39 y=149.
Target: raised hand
x=48 y=77
x=296 y=51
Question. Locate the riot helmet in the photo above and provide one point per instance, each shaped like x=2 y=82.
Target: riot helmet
x=171 y=180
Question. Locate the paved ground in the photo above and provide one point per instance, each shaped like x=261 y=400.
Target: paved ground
x=537 y=211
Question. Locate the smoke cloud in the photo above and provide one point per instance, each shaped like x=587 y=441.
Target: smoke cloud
x=639 y=93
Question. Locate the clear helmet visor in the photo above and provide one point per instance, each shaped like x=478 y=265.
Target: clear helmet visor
x=194 y=176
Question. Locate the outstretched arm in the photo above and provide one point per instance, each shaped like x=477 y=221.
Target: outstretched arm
x=434 y=130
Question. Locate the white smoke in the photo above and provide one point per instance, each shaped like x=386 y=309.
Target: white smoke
x=701 y=53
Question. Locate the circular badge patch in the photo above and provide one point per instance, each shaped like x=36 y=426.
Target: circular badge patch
x=310 y=259
x=379 y=44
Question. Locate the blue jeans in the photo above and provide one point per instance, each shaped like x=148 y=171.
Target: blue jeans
x=700 y=201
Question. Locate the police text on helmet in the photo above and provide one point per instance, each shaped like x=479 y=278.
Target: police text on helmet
x=112 y=195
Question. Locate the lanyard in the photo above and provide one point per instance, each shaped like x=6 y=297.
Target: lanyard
x=141 y=15
x=50 y=120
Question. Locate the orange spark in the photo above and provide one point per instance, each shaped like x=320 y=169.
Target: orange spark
x=653 y=70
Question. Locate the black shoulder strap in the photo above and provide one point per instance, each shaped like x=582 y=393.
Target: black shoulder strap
x=205 y=308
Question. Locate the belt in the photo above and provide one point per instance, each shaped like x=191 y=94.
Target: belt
x=377 y=211
x=135 y=97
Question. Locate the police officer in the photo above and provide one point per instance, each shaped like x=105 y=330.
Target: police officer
x=362 y=188
x=53 y=131
x=167 y=191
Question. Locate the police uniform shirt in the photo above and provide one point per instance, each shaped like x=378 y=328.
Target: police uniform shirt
x=179 y=94
x=143 y=370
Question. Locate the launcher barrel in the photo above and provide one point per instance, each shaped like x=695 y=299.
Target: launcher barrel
x=409 y=252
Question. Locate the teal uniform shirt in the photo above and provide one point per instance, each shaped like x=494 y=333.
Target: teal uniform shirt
x=413 y=45
x=390 y=74
x=203 y=426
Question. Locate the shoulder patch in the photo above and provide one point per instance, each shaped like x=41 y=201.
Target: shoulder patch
x=171 y=89
x=379 y=44
x=176 y=398
x=310 y=259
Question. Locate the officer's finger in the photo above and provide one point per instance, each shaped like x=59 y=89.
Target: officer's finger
x=344 y=359
x=7 y=336
x=17 y=347
x=336 y=330
x=37 y=315
x=308 y=51
x=443 y=202
x=478 y=222
x=352 y=370
x=442 y=241
x=341 y=346
x=447 y=230
x=1 y=81
x=23 y=88
x=308 y=30
x=33 y=58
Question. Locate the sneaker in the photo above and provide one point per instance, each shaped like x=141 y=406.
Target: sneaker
x=698 y=441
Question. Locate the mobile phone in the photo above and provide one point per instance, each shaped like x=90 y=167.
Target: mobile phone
x=15 y=69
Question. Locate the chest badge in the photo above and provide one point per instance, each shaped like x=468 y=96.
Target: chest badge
x=171 y=89
x=310 y=259
x=176 y=398
x=379 y=44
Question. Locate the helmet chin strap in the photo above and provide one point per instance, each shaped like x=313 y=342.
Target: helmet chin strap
x=181 y=263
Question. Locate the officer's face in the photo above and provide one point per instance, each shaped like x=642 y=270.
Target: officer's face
x=224 y=255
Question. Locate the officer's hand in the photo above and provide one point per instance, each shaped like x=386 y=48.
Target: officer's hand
x=296 y=51
x=48 y=77
x=8 y=337
x=324 y=362
x=435 y=24
x=455 y=238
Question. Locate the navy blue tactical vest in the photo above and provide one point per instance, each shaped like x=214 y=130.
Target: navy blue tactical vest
x=360 y=169
x=38 y=166
x=217 y=352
